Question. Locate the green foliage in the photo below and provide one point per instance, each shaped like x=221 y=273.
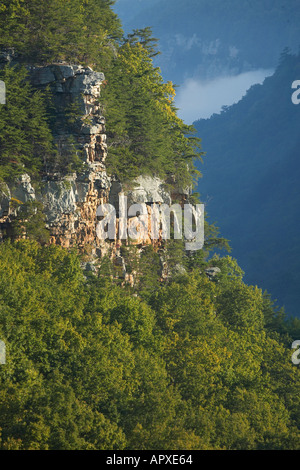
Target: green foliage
x=184 y=363
x=60 y=30
x=145 y=134
x=90 y=366
x=27 y=125
x=145 y=266
x=25 y=139
x=30 y=223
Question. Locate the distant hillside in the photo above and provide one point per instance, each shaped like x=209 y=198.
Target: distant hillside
x=251 y=181
x=209 y=38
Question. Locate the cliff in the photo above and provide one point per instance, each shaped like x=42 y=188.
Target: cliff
x=70 y=202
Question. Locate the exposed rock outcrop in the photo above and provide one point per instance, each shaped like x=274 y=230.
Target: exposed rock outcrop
x=70 y=202
x=212 y=272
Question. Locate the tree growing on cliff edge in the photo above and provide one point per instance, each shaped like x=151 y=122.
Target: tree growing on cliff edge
x=77 y=31
x=25 y=138
x=145 y=134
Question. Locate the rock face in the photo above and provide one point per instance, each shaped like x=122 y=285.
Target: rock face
x=148 y=190
x=70 y=203
x=212 y=272
x=22 y=190
x=80 y=87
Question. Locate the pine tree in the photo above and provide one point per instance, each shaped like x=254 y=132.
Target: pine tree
x=25 y=138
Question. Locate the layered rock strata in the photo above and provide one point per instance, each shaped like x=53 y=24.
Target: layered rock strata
x=70 y=202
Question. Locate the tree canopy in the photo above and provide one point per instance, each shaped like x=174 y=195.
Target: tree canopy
x=177 y=362
x=90 y=366
x=76 y=31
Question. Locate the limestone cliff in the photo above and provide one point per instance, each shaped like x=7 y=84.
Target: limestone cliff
x=70 y=202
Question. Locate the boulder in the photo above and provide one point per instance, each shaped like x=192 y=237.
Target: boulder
x=22 y=190
x=212 y=272
x=148 y=189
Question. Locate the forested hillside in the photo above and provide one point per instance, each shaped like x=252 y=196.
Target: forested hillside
x=142 y=123
x=187 y=356
x=250 y=183
x=206 y=39
x=198 y=365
